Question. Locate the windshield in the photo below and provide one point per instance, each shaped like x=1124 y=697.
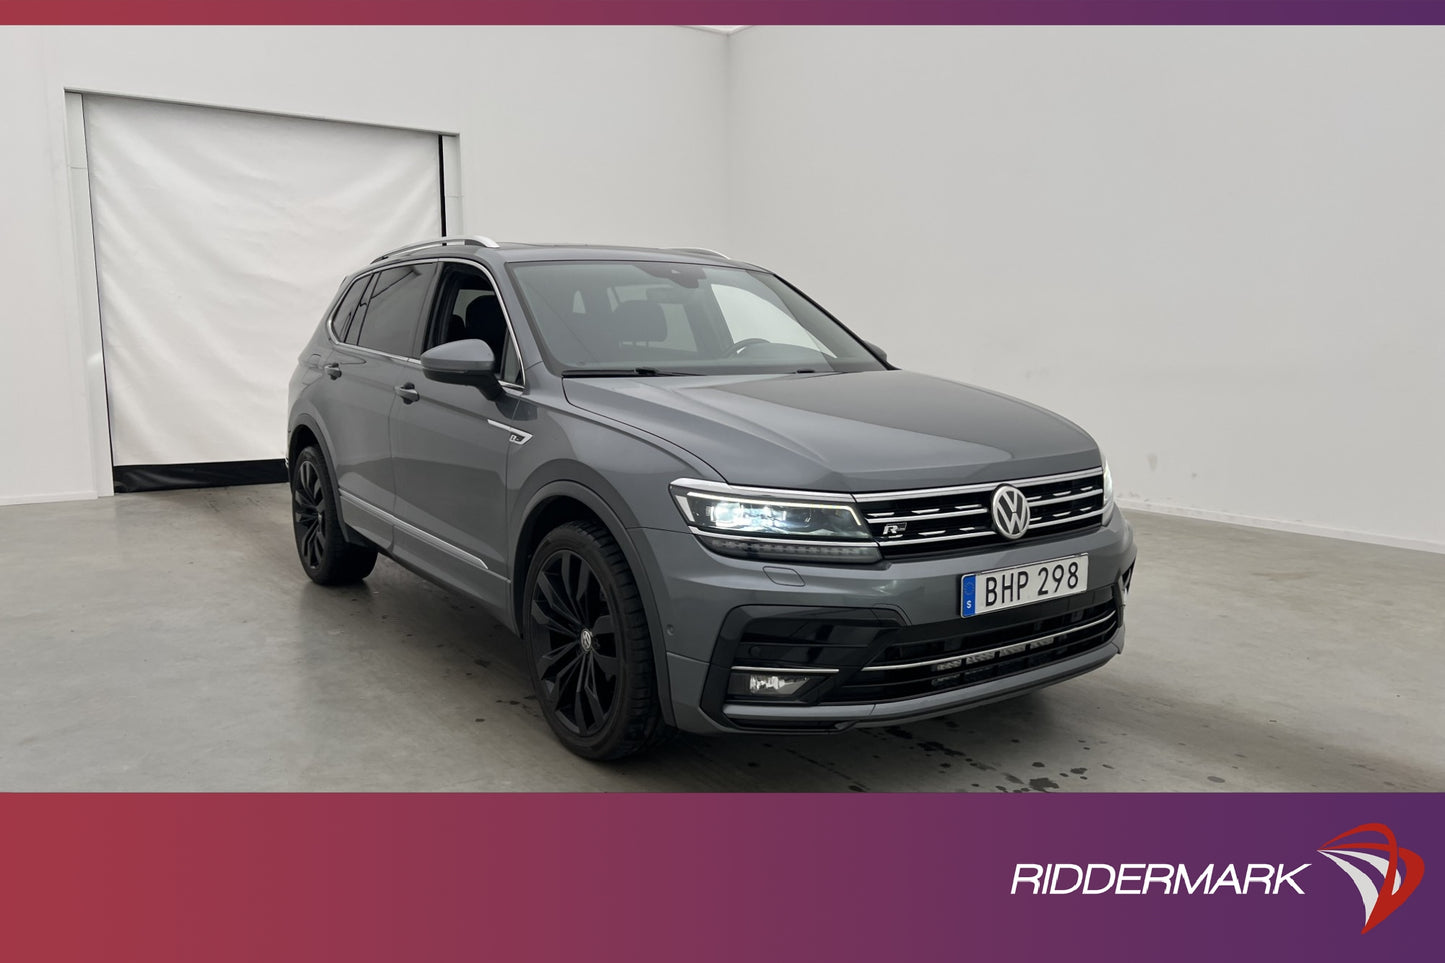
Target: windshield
x=663 y=318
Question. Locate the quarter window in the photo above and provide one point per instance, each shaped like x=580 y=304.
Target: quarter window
x=346 y=310
x=511 y=371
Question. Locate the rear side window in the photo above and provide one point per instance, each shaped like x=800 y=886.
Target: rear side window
x=393 y=309
x=346 y=310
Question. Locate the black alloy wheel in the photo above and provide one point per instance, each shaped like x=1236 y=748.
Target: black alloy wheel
x=578 y=669
x=310 y=509
x=326 y=554
x=590 y=649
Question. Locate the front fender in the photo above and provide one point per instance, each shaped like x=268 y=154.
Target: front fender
x=616 y=522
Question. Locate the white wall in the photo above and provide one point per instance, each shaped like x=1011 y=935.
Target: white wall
x=587 y=133
x=1222 y=251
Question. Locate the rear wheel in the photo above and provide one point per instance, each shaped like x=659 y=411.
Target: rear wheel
x=589 y=649
x=321 y=542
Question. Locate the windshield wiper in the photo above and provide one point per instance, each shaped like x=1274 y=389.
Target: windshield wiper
x=619 y=373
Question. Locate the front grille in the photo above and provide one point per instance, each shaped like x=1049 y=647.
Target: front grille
x=944 y=656
x=950 y=520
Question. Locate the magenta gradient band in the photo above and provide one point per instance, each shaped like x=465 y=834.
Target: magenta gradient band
x=691 y=878
x=728 y=11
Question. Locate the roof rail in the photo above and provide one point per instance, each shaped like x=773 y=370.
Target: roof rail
x=477 y=241
x=706 y=251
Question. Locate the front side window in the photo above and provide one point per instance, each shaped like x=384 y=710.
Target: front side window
x=467 y=306
x=680 y=318
x=392 y=310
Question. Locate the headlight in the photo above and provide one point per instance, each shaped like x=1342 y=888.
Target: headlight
x=1108 y=491
x=748 y=525
x=725 y=513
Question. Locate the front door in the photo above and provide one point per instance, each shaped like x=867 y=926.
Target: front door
x=449 y=449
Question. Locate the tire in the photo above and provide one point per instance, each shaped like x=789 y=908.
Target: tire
x=325 y=554
x=588 y=647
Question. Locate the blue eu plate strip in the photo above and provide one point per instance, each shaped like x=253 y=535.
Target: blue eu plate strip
x=968 y=595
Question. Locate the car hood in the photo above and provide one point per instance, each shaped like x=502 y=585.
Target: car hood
x=843 y=432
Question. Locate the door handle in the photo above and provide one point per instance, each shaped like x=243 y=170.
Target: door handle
x=407 y=392
x=333 y=370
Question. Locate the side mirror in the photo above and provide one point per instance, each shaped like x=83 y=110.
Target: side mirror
x=466 y=362
x=879 y=352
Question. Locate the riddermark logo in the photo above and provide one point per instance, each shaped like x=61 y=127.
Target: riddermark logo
x=1400 y=871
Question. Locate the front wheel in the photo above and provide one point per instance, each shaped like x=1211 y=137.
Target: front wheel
x=589 y=649
x=321 y=542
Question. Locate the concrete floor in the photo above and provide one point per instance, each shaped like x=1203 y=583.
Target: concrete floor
x=170 y=642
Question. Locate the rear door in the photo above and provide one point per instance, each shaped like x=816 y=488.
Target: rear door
x=366 y=368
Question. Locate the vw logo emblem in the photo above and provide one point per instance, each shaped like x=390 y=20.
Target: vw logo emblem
x=1010 y=512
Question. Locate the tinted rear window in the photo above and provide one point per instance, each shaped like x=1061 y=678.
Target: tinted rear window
x=393 y=309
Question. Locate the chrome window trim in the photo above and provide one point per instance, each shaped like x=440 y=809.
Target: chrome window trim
x=377 y=268
x=435 y=541
x=959 y=656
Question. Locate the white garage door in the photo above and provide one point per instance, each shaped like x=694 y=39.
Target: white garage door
x=220 y=237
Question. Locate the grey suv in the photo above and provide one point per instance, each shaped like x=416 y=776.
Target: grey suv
x=701 y=501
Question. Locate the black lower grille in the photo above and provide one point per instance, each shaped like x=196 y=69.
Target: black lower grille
x=944 y=656
x=864 y=656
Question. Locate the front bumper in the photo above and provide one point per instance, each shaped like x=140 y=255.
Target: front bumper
x=709 y=608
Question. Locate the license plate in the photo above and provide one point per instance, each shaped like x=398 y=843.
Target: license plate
x=1004 y=588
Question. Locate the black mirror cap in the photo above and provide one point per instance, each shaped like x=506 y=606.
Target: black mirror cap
x=466 y=362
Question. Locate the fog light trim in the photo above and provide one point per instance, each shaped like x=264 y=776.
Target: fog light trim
x=760 y=682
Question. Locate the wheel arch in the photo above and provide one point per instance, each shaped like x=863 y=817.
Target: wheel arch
x=562 y=501
x=307 y=429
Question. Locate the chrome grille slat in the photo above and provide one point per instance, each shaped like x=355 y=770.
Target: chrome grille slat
x=1062 y=498
x=1070 y=518
x=954 y=656
x=980 y=487
x=959 y=517
x=951 y=655
x=928 y=517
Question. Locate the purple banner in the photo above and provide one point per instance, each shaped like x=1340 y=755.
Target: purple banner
x=702 y=878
